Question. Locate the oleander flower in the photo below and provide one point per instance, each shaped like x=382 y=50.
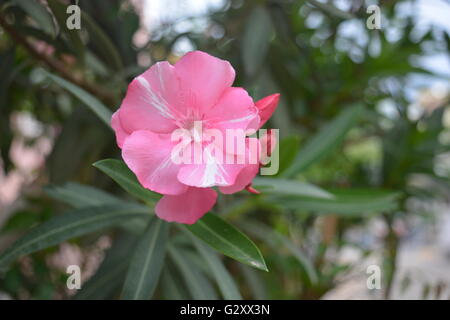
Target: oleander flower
x=168 y=98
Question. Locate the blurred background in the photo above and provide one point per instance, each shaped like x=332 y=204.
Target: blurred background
x=323 y=59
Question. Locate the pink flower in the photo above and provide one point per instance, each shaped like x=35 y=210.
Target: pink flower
x=165 y=98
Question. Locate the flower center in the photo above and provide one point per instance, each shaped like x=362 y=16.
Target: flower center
x=196 y=130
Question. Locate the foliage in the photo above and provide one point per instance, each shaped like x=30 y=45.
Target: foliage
x=343 y=160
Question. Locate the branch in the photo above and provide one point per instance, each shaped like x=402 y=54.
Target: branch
x=57 y=65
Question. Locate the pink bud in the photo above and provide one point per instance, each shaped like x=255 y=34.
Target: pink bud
x=266 y=107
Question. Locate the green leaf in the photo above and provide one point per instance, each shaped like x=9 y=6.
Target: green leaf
x=325 y=141
x=289 y=187
x=89 y=100
x=23 y=220
x=223 y=278
x=70 y=225
x=171 y=288
x=226 y=239
x=105 y=282
x=289 y=147
x=255 y=283
x=256 y=39
x=74 y=40
x=275 y=240
x=352 y=202
x=121 y=174
x=39 y=13
x=78 y=195
x=101 y=42
x=196 y=282
x=147 y=262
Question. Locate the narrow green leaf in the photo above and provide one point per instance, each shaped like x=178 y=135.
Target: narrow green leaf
x=104 y=283
x=89 y=100
x=255 y=282
x=256 y=39
x=347 y=202
x=275 y=240
x=70 y=225
x=147 y=262
x=325 y=141
x=78 y=195
x=73 y=36
x=121 y=174
x=226 y=239
x=39 y=13
x=171 y=288
x=101 y=42
x=196 y=282
x=223 y=278
x=289 y=147
x=290 y=187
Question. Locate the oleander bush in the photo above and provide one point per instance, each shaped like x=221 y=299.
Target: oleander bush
x=354 y=147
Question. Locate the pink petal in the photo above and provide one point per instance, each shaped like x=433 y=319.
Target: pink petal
x=153 y=101
x=148 y=155
x=234 y=110
x=219 y=169
x=203 y=79
x=211 y=172
x=116 y=124
x=187 y=207
x=266 y=107
x=244 y=178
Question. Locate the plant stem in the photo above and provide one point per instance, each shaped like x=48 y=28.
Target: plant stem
x=391 y=253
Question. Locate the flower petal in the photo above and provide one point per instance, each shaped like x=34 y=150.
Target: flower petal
x=244 y=178
x=212 y=171
x=266 y=107
x=187 y=207
x=148 y=155
x=234 y=110
x=116 y=124
x=153 y=101
x=203 y=79
x=217 y=167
